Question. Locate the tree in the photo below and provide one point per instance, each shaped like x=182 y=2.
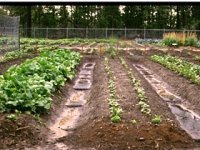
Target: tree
x=64 y=17
x=110 y=17
x=195 y=23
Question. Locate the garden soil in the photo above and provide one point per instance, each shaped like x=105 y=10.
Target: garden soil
x=94 y=129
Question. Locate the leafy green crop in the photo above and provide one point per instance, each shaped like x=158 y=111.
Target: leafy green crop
x=12 y=117
x=29 y=86
x=72 y=41
x=144 y=107
x=186 y=69
x=156 y=119
x=115 y=109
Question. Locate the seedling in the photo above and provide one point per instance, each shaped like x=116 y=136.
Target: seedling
x=114 y=106
x=156 y=119
x=134 y=122
x=143 y=103
x=116 y=119
x=11 y=117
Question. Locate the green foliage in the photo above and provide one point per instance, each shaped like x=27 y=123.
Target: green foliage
x=29 y=86
x=115 y=109
x=170 y=42
x=197 y=58
x=179 y=39
x=132 y=16
x=112 y=52
x=191 y=41
x=156 y=119
x=144 y=107
x=189 y=70
x=26 y=50
x=134 y=122
x=11 y=117
x=75 y=41
x=115 y=119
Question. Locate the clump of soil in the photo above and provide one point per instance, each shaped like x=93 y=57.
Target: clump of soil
x=25 y=130
x=105 y=135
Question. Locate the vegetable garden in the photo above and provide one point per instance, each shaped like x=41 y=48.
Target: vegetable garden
x=139 y=95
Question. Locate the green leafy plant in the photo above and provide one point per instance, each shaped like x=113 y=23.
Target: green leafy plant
x=191 y=41
x=115 y=119
x=11 y=117
x=134 y=122
x=179 y=39
x=142 y=99
x=115 y=108
x=186 y=69
x=112 y=52
x=156 y=119
x=29 y=86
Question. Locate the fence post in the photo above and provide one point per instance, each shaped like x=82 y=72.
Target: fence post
x=67 y=33
x=19 y=31
x=125 y=33
x=19 y=38
x=86 y=33
x=144 y=33
x=47 y=33
x=106 y=33
x=112 y=32
x=183 y=31
x=34 y=32
x=163 y=33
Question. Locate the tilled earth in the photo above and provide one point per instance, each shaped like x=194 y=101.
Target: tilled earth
x=94 y=129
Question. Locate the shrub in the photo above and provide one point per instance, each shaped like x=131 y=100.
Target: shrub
x=190 y=41
x=186 y=39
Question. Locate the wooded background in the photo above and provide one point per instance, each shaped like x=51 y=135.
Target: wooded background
x=114 y=16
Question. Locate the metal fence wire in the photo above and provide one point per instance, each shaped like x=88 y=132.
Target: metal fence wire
x=59 y=33
x=9 y=33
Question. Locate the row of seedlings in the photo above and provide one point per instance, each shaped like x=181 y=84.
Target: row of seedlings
x=142 y=99
x=115 y=109
x=24 y=51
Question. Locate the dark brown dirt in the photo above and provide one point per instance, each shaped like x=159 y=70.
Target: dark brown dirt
x=182 y=51
x=158 y=106
x=126 y=94
x=24 y=131
x=100 y=133
x=182 y=86
x=105 y=135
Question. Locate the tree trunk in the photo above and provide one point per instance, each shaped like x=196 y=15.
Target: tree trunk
x=29 y=20
x=178 y=17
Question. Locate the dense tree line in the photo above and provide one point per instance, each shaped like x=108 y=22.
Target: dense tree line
x=93 y=16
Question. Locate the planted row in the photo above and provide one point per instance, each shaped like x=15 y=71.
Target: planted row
x=29 y=86
x=142 y=99
x=69 y=41
x=115 y=109
x=24 y=51
x=189 y=70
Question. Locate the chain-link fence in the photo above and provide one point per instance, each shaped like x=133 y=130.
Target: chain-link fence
x=9 y=33
x=58 y=33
